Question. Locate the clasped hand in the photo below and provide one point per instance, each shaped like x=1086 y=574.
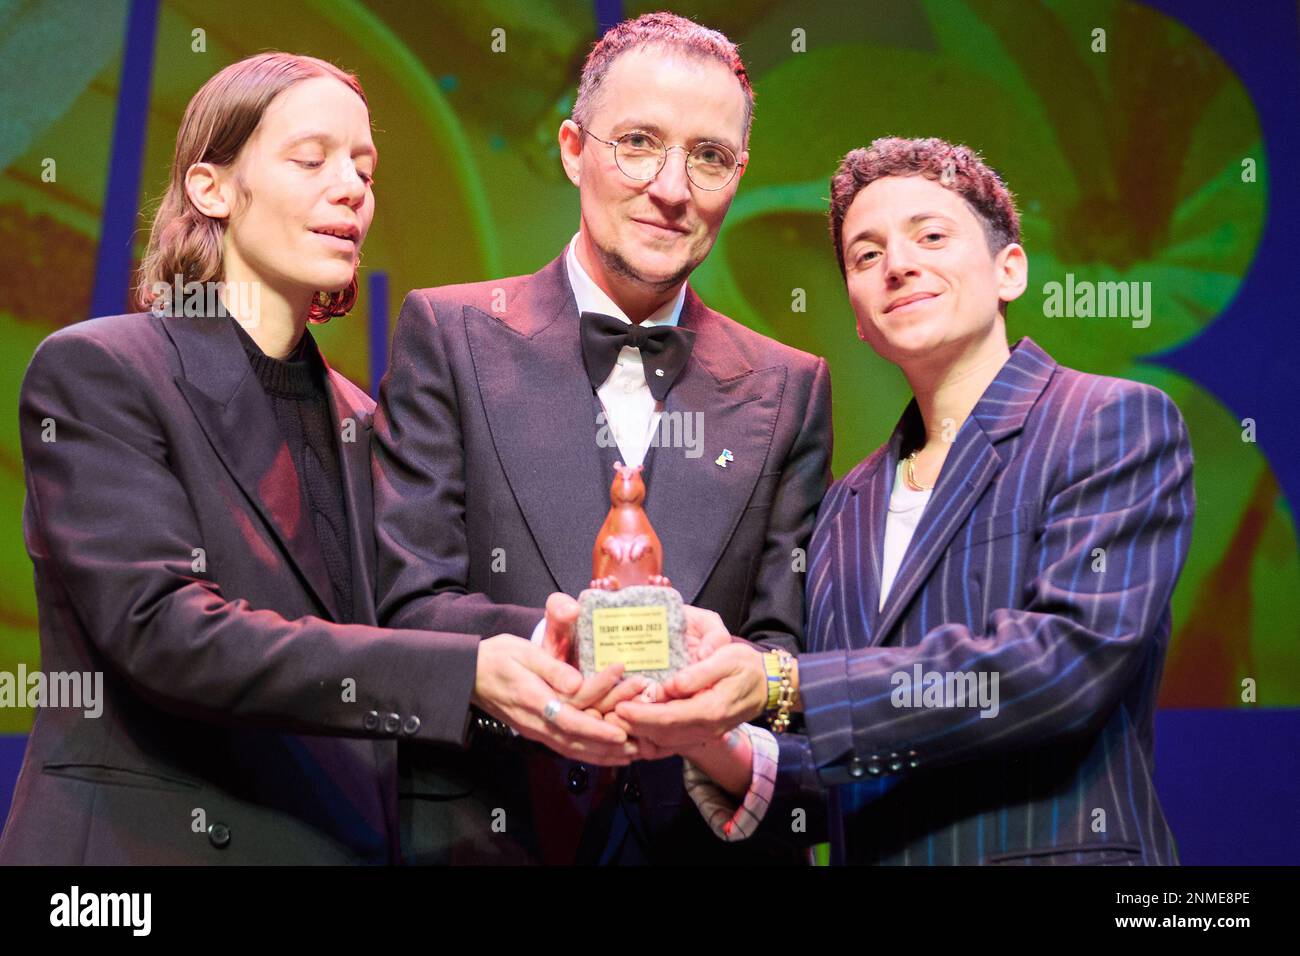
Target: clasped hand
x=607 y=720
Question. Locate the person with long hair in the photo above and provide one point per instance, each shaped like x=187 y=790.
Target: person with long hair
x=199 y=516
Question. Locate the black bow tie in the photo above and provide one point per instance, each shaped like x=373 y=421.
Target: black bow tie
x=664 y=350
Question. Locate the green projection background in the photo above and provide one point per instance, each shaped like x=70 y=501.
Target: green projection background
x=1128 y=166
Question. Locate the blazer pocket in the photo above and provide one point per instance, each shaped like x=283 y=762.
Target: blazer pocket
x=118 y=776
x=764 y=491
x=1082 y=854
x=1003 y=525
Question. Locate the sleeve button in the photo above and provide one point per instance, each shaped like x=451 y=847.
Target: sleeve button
x=219 y=835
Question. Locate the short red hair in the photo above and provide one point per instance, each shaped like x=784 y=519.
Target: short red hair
x=665 y=30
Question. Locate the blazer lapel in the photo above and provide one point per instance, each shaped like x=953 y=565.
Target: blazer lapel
x=545 y=433
x=721 y=403
x=538 y=400
x=974 y=463
x=237 y=417
x=971 y=466
x=858 y=541
x=354 y=465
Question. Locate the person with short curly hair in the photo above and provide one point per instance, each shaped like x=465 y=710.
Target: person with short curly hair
x=988 y=593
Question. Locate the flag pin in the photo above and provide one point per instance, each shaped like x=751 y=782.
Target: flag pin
x=726 y=456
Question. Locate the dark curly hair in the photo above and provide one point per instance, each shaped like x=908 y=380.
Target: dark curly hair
x=955 y=167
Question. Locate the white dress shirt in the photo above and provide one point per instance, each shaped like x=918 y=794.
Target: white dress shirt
x=631 y=412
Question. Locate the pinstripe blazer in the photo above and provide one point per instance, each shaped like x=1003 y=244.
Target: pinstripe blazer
x=1042 y=567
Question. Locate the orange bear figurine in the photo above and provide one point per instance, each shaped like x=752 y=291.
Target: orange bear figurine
x=627 y=550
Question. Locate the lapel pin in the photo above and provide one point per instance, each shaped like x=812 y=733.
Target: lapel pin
x=726 y=456
x=659 y=372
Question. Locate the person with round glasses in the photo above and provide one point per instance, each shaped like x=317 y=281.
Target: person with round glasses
x=641 y=155
x=513 y=400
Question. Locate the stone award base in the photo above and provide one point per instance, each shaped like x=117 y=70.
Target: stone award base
x=642 y=627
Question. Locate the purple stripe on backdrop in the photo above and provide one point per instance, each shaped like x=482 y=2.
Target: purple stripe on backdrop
x=1245 y=357
x=11 y=758
x=377 y=295
x=122 y=194
x=1229 y=782
x=608 y=13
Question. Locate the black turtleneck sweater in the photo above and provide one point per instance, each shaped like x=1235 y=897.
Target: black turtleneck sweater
x=298 y=393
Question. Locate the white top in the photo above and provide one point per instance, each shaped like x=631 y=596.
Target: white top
x=631 y=412
x=905 y=508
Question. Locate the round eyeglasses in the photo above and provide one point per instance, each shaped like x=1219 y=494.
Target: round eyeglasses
x=640 y=155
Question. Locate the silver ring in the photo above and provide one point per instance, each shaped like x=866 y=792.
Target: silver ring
x=552 y=709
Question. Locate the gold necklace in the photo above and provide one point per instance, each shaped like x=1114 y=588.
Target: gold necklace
x=910 y=474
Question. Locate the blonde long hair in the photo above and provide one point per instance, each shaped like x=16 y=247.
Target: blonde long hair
x=218 y=121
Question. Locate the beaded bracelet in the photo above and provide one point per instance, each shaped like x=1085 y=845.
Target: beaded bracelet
x=779 y=666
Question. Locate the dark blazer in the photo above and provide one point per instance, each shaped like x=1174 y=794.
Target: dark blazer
x=490 y=488
x=223 y=737
x=1046 y=555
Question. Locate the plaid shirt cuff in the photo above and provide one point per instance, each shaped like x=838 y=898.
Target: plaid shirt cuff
x=727 y=820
